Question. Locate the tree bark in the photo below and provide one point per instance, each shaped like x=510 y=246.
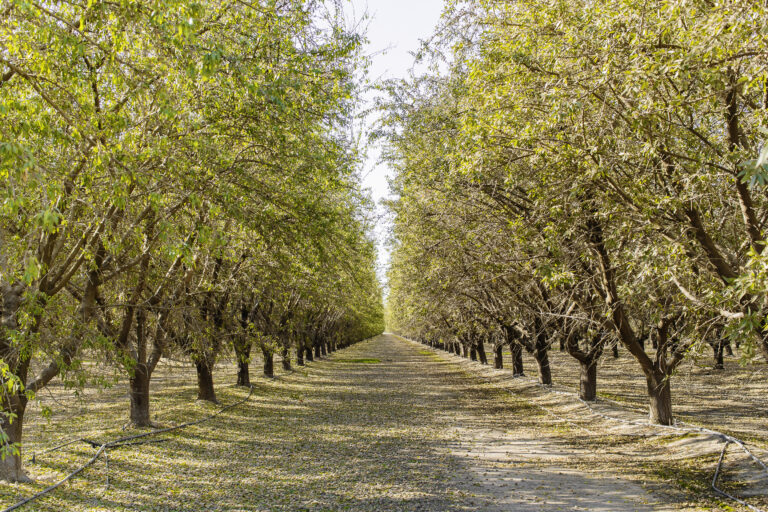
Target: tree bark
x=205 y=389
x=498 y=360
x=139 y=386
x=541 y=354
x=243 y=374
x=718 y=347
x=300 y=354
x=660 y=397
x=286 y=355
x=308 y=353
x=269 y=362
x=323 y=347
x=317 y=350
x=588 y=380
x=11 y=468
x=481 y=353
x=517 y=360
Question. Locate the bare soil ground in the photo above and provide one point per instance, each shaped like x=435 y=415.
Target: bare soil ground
x=386 y=425
x=733 y=400
x=678 y=465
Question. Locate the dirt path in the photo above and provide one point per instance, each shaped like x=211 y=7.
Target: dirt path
x=420 y=434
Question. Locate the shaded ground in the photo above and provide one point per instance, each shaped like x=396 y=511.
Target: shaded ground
x=734 y=399
x=614 y=434
x=385 y=425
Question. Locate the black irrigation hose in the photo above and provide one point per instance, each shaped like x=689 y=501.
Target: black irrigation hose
x=123 y=441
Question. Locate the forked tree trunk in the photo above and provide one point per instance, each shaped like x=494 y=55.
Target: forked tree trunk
x=660 y=396
x=588 y=380
x=517 y=360
x=269 y=362
x=498 y=360
x=139 y=386
x=205 y=389
x=11 y=468
x=243 y=374
x=481 y=353
x=286 y=355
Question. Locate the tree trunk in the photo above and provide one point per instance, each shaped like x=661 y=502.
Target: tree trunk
x=660 y=397
x=717 y=347
x=317 y=350
x=517 y=360
x=588 y=380
x=473 y=353
x=286 y=355
x=542 y=360
x=300 y=355
x=498 y=360
x=139 y=386
x=205 y=389
x=481 y=353
x=308 y=353
x=269 y=362
x=243 y=374
x=11 y=468
x=243 y=354
x=464 y=350
x=615 y=350
x=323 y=347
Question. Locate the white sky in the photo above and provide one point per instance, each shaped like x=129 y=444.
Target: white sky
x=395 y=28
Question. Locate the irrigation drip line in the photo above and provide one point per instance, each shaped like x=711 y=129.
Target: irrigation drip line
x=117 y=443
x=727 y=439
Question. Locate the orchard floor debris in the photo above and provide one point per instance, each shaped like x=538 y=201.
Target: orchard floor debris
x=385 y=425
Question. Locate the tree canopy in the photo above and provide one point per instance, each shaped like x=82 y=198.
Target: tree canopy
x=177 y=177
x=593 y=173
